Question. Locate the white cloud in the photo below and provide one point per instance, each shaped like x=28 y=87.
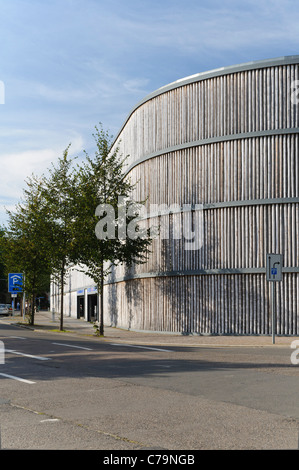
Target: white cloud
x=70 y=94
x=192 y=27
x=136 y=85
x=16 y=167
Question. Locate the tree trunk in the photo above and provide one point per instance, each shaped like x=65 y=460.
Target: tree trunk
x=32 y=310
x=102 y=301
x=62 y=295
x=33 y=300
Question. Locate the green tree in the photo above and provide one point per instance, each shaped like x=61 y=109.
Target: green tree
x=101 y=186
x=22 y=245
x=59 y=191
x=3 y=277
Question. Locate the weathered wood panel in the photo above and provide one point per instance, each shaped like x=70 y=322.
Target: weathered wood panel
x=228 y=141
x=247 y=178
x=207 y=304
x=257 y=100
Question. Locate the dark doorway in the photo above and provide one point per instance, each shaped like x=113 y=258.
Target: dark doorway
x=80 y=306
x=92 y=307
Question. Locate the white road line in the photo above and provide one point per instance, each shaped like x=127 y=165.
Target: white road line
x=16 y=337
x=73 y=346
x=17 y=378
x=40 y=358
x=141 y=347
x=49 y=420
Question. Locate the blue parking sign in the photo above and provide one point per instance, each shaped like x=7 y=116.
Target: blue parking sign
x=15 y=282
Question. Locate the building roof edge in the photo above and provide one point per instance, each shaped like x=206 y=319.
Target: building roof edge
x=246 y=66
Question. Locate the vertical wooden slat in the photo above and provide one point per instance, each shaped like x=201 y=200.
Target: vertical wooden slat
x=251 y=168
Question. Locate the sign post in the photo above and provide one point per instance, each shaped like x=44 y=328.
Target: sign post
x=15 y=286
x=24 y=298
x=273 y=275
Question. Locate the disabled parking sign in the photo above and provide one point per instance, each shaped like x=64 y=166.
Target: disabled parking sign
x=274 y=267
x=15 y=282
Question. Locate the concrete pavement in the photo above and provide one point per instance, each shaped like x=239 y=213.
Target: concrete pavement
x=44 y=321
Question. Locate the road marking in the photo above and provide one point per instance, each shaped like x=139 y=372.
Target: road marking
x=17 y=378
x=73 y=346
x=141 y=347
x=40 y=358
x=17 y=337
x=49 y=420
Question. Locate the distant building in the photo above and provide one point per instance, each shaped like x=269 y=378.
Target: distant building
x=223 y=148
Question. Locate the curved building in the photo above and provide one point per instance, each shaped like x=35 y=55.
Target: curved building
x=219 y=151
x=226 y=140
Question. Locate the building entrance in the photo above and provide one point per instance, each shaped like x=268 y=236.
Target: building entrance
x=92 y=308
x=80 y=306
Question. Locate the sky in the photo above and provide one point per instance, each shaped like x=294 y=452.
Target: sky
x=68 y=65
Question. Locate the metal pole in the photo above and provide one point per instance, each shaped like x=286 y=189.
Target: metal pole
x=273 y=312
x=24 y=297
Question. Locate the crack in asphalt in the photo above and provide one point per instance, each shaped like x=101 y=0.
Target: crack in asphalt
x=83 y=426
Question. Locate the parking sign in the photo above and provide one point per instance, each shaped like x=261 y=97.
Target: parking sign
x=274 y=267
x=15 y=282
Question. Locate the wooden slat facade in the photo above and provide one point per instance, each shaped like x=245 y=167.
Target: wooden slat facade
x=229 y=142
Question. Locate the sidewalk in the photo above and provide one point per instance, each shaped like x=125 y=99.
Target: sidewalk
x=44 y=321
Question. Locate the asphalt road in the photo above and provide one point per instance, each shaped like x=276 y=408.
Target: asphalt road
x=58 y=391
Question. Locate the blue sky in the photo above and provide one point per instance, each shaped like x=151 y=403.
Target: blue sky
x=67 y=65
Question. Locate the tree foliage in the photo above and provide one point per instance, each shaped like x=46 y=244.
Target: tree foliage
x=23 y=246
x=3 y=278
x=59 y=193
x=55 y=224
x=102 y=186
